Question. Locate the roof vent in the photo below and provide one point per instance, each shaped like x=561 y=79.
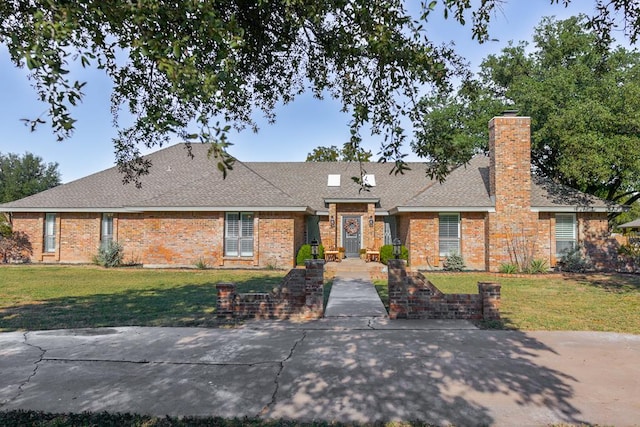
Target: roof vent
x=333 y=180
x=369 y=179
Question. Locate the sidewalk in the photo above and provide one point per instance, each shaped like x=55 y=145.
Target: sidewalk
x=343 y=369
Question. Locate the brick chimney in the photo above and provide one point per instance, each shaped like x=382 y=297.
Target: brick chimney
x=510 y=187
x=510 y=154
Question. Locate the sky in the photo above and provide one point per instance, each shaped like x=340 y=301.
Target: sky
x=300 y=126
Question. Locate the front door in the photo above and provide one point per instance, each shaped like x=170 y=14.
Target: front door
x=351 y=235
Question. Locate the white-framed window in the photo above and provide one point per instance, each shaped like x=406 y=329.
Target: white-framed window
x=449 y=233
x=238 y=234
x=50 y=232
x=566 y=233
x=106 y=229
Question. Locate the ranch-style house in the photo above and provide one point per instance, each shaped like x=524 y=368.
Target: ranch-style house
x=263 y=212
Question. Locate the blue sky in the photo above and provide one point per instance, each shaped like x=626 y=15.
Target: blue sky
x=300 y=126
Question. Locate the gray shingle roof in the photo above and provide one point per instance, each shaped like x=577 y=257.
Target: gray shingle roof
x=632 y=224
x=177 y=181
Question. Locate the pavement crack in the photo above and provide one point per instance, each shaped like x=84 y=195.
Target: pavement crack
x=32 y=374
x=276 y=381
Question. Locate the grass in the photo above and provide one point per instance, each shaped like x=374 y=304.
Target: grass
x=575 y=302
x=36 y=418
x=61 y=297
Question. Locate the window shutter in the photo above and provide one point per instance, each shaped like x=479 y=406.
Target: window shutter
x=565 y=233
x=449 y=234
x=232 y=230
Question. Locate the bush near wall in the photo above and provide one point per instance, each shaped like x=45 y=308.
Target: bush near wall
x=386 y=253
x=304 y=253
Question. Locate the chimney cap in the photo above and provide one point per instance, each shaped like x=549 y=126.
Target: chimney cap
x=510 y=113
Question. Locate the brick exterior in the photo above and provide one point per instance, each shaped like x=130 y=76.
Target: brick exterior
x=486 y=238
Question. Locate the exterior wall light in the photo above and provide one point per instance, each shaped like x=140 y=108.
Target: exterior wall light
x=397 y=248
x=314 y=248
x=371 y=221
x=332 y=221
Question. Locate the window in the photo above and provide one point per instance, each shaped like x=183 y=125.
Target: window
x=238 y=234
x=50 y=232
x=389 y=229
x=565 y=233
x=312 y=230
x=106 y=234
x=449 y=234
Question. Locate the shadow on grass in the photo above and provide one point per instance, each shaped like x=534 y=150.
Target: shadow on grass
x=614 y=283
x=190 y=305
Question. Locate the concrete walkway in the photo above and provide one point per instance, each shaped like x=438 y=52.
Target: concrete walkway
x=353 y=295
x=346 y=369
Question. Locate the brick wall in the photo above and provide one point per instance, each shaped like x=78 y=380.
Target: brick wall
x=130 y=233
x=300 y=295
x=32 y=224
x=79 y=236
x=423 y=243
x=412 y=296
x=276 y=236
x=179 y=238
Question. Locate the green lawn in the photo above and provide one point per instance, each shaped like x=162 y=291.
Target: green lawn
x=57 y=297
x=593 y=302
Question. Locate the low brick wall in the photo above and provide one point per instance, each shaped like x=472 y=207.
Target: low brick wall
x=299 y=295
x=412 y=296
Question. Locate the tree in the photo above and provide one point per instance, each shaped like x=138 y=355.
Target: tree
x=22 y=176
x=584 y=104
x=196 y=68
x=333 y=154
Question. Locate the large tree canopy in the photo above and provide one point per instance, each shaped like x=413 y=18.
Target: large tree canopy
x=347 y=153
x=583 y=100
x=24 y=175
x=194 y=68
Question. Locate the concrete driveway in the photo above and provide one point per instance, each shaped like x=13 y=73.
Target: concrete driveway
x=358 y=369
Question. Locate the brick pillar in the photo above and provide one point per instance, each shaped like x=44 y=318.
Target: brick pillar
x=314 y=288
x=225 y=300
x=490 y=297
x=397 y=280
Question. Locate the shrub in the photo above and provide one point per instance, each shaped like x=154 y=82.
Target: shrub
x=453 y=262
x=386 y=253
x=508 y=268
x=537 y=266
x=575 y=261
x=15 y=247
x=201 y=264
x=304 y=253
x=109 y=255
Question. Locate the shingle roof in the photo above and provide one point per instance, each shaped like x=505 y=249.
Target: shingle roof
x=179 y=182
x=631 y=224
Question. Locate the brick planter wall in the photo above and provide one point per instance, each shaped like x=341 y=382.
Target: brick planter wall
x=299 y=295
x=412 y=296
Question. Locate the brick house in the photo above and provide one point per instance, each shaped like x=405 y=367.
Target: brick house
x=263 y=212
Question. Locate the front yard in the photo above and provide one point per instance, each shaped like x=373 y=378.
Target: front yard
x=572 y=302
x=60 y=297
